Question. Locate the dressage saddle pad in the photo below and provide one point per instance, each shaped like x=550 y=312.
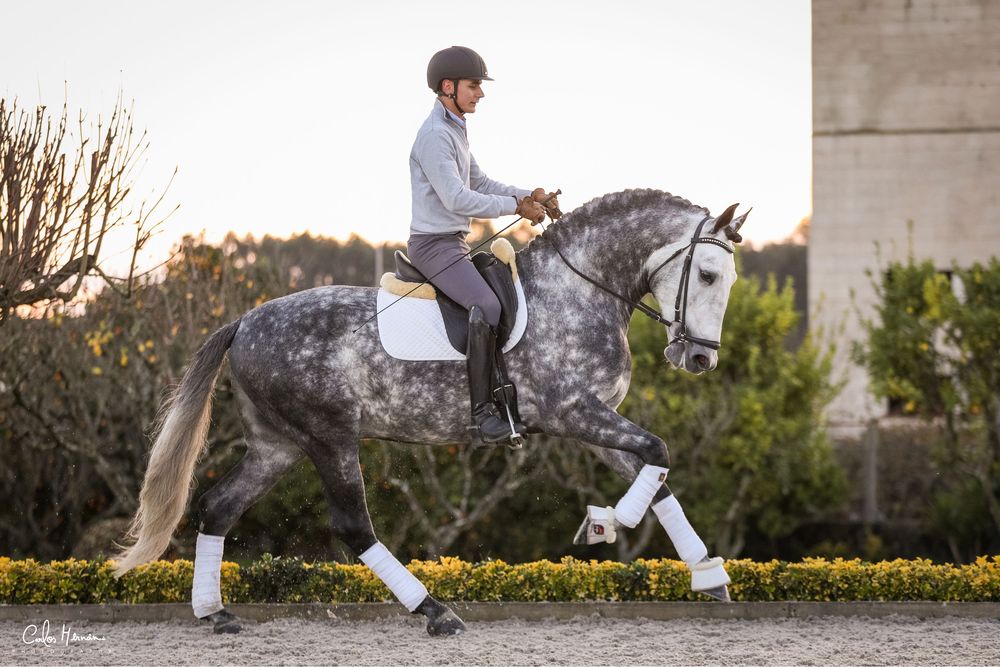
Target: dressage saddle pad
x=414 y=329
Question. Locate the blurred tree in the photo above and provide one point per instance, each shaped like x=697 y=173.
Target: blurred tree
x=932 y=348
x=77 y=392
x=787 y=262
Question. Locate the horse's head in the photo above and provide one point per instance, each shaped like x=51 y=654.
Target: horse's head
x=695 y=274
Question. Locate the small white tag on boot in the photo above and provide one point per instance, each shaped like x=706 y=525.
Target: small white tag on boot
x=598 y=527
x=709 y=574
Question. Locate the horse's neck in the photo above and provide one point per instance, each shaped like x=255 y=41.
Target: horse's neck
x=615 y=260
x=561 y=301
x=553 y=283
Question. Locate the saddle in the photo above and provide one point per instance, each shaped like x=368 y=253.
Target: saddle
x=496 y=267
x=499 y=268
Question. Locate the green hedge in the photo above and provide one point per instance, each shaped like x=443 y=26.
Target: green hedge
x=293 y=580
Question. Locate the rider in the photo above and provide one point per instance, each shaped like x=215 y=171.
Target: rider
x=448 y=188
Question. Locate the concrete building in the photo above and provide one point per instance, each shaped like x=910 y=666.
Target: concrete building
x=906 y=129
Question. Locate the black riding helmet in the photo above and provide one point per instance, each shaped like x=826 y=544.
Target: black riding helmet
x=454 y=63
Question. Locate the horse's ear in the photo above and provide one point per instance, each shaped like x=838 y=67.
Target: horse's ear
x=738 y=222
x=724 y=219
x=733 y=230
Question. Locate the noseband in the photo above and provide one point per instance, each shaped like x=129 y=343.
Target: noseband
x=680 y=304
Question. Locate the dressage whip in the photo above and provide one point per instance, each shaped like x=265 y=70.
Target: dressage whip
x=496 y=234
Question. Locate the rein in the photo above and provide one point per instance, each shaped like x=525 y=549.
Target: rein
x=680 y=304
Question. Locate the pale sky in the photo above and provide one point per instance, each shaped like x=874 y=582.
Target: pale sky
x=284 y=117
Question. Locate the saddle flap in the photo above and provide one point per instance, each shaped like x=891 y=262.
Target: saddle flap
x=498 y=274
x=414 y=329
x=456 y=318
x=498 y=277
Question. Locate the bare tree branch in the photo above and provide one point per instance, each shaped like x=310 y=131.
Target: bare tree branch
x=57 y=205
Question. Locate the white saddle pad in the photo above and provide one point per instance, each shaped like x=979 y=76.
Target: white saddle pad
x=413 y=329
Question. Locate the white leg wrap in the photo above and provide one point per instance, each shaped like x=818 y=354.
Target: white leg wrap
x=633 y=505
x=689 y=546
x=403 y=585
x=206 y=596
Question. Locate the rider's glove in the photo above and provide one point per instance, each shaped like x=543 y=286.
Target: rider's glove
x=529 y=209
x=548 y=201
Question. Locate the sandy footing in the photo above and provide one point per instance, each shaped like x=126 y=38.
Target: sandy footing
x=894 y=640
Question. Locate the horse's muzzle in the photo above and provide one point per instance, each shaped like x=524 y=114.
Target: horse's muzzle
x=690 y=357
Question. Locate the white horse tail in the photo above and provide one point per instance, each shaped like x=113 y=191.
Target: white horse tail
x=181 y=430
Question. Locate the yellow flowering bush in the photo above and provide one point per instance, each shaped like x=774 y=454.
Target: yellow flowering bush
x=273 y=579
x=759 y=582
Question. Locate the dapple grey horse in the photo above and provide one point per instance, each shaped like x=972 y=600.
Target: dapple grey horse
x=309 y=386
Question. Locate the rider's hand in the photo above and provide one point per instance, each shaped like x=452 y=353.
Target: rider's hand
x=529 y=209
x=548 y=201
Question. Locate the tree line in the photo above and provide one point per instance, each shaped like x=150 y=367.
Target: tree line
x=79 y=392
x=756 y=472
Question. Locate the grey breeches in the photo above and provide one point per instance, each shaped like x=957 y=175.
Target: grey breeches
x=430 y=253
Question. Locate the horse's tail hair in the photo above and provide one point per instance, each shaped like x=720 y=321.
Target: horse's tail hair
x=180 y=434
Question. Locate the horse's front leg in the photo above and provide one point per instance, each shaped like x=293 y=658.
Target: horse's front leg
x=708 y=575
x=641 y=457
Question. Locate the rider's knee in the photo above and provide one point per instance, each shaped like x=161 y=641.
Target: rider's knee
x=490 y=305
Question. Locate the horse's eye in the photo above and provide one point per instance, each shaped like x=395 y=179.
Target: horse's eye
x=707 y=277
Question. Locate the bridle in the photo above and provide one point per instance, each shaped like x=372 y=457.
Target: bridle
x=680 y=303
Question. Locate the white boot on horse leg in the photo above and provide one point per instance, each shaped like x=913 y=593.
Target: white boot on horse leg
x=708 y=575
x=600 y=523
x=206 y=593
x=409 y=591
x=599 y=526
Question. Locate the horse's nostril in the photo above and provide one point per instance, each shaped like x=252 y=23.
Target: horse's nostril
x=702 y=361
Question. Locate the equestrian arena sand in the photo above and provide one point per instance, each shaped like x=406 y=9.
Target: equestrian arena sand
x=893 y=640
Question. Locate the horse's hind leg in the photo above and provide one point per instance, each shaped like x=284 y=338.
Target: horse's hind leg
x=707 y=574
x=268 y=457
x=339 y=468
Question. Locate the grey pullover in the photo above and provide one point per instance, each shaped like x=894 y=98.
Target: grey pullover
x=448 y=187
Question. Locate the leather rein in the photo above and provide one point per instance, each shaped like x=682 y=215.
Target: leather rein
x=680 y=303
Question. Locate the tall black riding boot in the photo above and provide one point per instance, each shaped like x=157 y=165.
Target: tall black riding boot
x=488 y=422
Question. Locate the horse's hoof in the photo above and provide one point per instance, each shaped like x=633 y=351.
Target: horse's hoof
x=445 y=625
x=224 y=622
x=720 y=593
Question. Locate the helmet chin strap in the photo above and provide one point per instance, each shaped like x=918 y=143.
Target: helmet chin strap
x=454 y=96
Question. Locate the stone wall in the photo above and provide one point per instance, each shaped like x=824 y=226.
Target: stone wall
x=906 y=131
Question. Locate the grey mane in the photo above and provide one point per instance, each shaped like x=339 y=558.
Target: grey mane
x=616 y=204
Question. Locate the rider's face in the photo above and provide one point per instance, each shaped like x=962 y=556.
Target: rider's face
x=470 y=91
